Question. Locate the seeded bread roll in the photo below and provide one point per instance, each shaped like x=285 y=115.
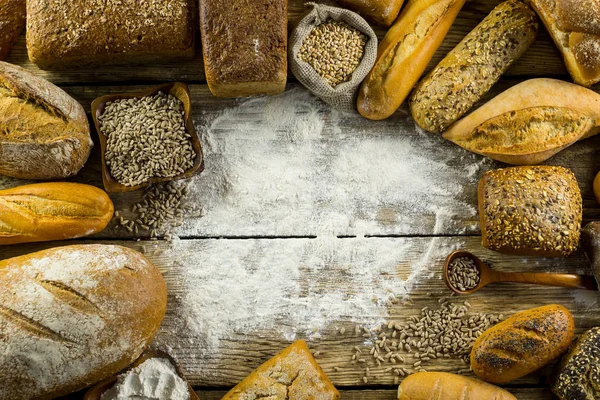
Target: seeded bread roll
x=12 y=22
x=45 y=132
x=444 y=386
x=575 y=28
x=403 y=55
x=530 y=122
x=578 y=374
x=530 y=211
x=523 y=343
x=382 y=12
x=73 y=316
x=590 y=239
x=470 y=70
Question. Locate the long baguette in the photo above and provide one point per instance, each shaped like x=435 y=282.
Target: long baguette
x=470 y=70
x=382 y=12
x=404 y=53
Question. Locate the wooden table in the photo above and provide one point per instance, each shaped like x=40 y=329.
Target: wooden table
x=374 y=226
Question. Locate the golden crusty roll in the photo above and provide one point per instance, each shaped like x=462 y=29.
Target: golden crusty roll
x=52 y=211
x=597 y=187
x=444 y=386
x=523 y=343
x=382 y=12
x=403 y=55
x=530 y=122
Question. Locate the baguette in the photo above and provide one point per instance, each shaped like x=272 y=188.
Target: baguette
x=470 y=70
x=590 y=240
x=382 y=12
x=45 y=133
x=52 y=211
x=523 y=343
x=530 y=211
x=444 y=386
x=12 y=22
x=530 y=122
x=403 y=55
x=74 y=316
x=597 y=187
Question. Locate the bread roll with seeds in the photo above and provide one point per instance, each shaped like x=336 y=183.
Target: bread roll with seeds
x=444 y=386
x=12 y=22
x=73 y=316
x=523 y=343
x=403 y=55
x=52 y=211
x=590 y=239
x=470 y=70
x=530 y=211
x=382 y=12
x=530 y=122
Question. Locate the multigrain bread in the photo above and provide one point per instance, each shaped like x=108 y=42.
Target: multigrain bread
x=44 y=133
x=12 y=22
x=444 y=386
x=470 y=70
x=52 y=211
x=578 y=375
x=73 y=316
x=523 y=343
x=381 y=12
x=245 y=46
x=530 y=211
x=74 y=33
x=404 y=53
x=575 y=28
x=530 y=122
x=291 y=374
x=590 y=240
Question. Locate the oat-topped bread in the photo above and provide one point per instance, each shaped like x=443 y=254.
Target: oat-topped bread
x=533 y=211
x=292 y=374
x=245 y=46
x=73 y=33
x=73 y=316
x=44 y=133
x=12 y=22
x=577 y=377
x=575 y=28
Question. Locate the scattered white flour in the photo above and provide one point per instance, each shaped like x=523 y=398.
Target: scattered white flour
x=154 y=379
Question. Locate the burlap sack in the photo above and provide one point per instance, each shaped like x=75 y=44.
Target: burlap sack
x=343 y=96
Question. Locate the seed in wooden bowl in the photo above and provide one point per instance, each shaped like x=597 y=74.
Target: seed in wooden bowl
x=334 y=49
x=463 y=274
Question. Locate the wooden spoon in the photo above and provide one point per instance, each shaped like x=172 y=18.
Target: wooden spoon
x=488 y=275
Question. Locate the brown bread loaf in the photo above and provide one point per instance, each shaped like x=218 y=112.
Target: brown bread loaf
x=245 y=46
x=590 y=239
x=65 y=34
x=52 y=211
x=578 y=374
x=291 y=374
x=382 y=12
x=530 y=122
x=444 y=386
x=12 y=22
x=531 y=211
x=523 y=343
x=73 y=316
x=45 y=132
x=404 y=53
x=470 y=70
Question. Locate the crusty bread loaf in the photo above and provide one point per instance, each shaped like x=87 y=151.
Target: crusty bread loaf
x=245 y=46
x=52 y=211
x=404 y=53
x=12 y=22
x=575 y=28
x=382 y=12
x=45 y=132
x=444 y=386
x=291 y=374
x=530 y=122
x=590 y=239
x=73 y=316
x=597 y=187
x=470 y=70
x=74 y=33
x=523 y=343
x=578 y=373
x=532 y=211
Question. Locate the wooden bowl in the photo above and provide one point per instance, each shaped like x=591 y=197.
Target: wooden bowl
x=96 y=391
x=177 y=89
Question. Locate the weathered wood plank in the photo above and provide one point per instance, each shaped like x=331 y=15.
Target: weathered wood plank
x=542 y=59
x=235 y=303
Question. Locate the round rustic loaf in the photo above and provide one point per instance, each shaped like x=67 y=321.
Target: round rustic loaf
x=73 y=316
